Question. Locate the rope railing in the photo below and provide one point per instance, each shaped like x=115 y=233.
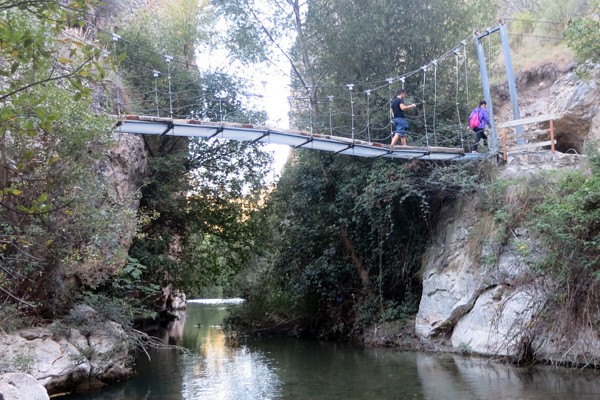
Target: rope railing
x=361 y=114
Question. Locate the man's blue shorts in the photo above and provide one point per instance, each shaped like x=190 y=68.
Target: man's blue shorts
x=401 y=125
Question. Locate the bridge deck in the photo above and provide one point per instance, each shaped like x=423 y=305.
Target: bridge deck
x=149 y=125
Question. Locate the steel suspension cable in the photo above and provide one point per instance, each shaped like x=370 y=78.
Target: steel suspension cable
x=424 y=102
x=464 y=43
x=462 y=144
x=435 y=64
x=390 y=81
x=350 y=87
x=368 y=92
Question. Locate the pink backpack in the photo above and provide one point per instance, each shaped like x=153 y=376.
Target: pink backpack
x=474 y=120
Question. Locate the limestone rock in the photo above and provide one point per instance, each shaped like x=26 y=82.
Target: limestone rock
x=52 y=363
x=496 y=326
x=19 y=386
x=110 y=352
x=172 y=299
x=61 y=364
x=482 y=297
x=178 y=300
x=450 y=282
x=575 y=100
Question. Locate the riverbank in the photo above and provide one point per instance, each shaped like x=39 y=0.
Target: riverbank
x=85 y=356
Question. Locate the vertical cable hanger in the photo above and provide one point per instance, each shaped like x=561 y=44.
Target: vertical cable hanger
x=424 y=68
x=457 y=67
x=115 y=39
x=390 y=81
x=435 y=64
x=330 y=116
x=168 y=60
x=464 y=43
x=350 y=87
x=368 y=92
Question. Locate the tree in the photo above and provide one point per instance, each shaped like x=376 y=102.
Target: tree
x=583 y=34
x=349 y=232
x=348 y=235
x=199 y=194
x=54 y=211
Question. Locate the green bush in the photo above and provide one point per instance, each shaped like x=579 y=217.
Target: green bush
x=583 y=36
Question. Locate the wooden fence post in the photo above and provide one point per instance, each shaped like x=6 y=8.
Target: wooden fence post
x=552 y=137
x=504 y=150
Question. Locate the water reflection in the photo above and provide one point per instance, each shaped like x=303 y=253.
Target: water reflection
x=222 y=372
x=474 y=378
x=292 y=369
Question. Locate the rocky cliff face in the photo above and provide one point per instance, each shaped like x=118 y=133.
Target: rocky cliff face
x=484 y=299
x=57 y=358
x=61 y=357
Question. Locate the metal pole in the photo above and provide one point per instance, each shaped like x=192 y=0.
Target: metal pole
x=310 y=122
x=155 y=74
x=351 y=86
x=368 y=92
x=115 y=38
x=464 y=43
x=512 y=86
x=390 y=81
x=424 y=68
x=435 y=63
x=220 y=110
x=485 y=83
x=460 y=125
x=168 y=59
x=330 y=110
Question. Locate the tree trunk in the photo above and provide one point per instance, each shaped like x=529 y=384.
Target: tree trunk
x=356 y=259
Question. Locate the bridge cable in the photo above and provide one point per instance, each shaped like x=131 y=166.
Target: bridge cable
x=368 y=92
x=464 y=43
x=168 y=60
x=390 y=81
x=350 y=87
x=489 y=53
x=115 y=38
x=330 y=114
x=155 y=74
x=310 y=117
x=456 y=100
x=424 y=68
x=435 y=63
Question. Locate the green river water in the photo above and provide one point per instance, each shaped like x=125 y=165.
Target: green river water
x=313 y=370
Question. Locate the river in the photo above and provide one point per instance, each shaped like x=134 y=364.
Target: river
x=290 y=369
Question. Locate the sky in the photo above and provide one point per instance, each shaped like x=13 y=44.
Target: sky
x=276 y=104
x=273 y=85
x=270 y=81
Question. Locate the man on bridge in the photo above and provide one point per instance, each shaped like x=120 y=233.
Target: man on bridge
x=398 y=118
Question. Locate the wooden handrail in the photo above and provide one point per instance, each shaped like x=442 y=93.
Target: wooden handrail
x=526 y=121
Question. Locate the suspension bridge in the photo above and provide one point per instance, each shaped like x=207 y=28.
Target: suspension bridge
x=148 y=125
x=367 y=113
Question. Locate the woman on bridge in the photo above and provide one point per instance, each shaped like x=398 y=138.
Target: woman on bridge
x=484 y=119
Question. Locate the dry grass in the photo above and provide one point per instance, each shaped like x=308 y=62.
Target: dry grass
x=556 y=52
x=531 y=53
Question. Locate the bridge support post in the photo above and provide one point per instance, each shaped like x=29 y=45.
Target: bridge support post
x=510 y=77
x=485 y=83
x=512 y=86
